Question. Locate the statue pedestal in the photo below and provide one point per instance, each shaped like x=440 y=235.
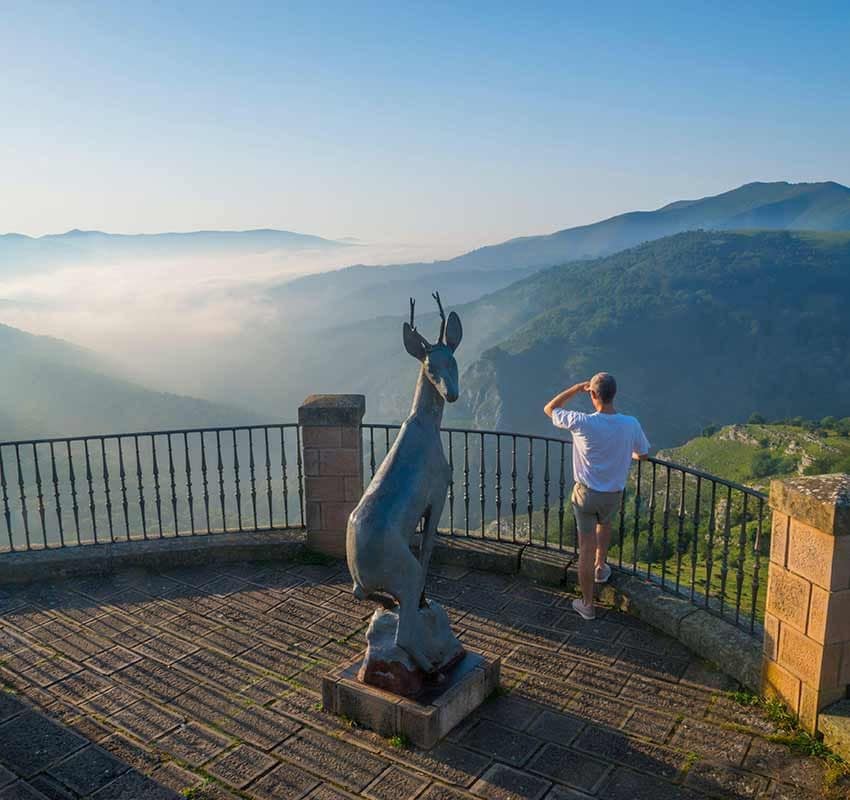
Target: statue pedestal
x=424 y=719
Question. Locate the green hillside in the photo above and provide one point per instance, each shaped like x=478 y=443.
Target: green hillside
x=756 y=452
x=697 y=327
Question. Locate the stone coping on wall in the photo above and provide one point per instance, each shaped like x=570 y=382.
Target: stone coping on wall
x=166 y=553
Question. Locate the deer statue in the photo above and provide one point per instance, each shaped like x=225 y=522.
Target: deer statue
x=409 y=489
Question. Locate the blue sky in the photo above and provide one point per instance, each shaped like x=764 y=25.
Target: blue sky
x=451 y=124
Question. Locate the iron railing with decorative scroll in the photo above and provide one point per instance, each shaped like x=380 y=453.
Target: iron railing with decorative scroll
x=90 y=489
x=693 y=533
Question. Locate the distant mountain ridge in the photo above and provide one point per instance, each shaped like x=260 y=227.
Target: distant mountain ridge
x=355 y=292
x=772 y=206
x=18 y=250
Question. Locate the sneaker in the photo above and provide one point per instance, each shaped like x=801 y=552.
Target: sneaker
x=585 y=612
x=602 y=574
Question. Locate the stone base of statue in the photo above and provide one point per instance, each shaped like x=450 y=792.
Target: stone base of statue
x=442 y=703
x=389 y=667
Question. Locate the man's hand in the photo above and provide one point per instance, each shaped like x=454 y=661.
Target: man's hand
x=565 y=396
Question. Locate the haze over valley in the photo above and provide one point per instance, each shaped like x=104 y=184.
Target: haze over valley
x=250 y=322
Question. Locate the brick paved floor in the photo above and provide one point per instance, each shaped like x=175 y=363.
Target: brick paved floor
x=205 y=682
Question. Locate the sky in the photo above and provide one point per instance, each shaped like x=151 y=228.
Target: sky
x=442 y=126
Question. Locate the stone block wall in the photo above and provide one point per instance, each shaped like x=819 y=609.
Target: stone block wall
x=333 y=467
x=807 y=617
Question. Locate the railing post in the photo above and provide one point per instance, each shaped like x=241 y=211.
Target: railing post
x=333 y=466
x=807 y=619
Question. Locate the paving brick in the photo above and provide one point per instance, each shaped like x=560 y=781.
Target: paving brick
x=599 y=708
x=557 y=727
x=342 y=763
x=649 y=725
x=711 y=742
x=283 y=783
x=20 y=791
x=88 y=770
x=447 y=761
x=640 y=755
x=510 y=710
x=652 y=664
x=503 y=783
x=777 y=761
x=133 y=786
x=177 y=778
x=625 y=784
x=130 y=753
x=569 y=766
x=240 y=766
x=503 y=744
x=193 y=743
x=165 y=648
x=261 y=727
x=439 y=792
x=729 y=783
x=146 y=721
x=30 y=743
x=395 y=784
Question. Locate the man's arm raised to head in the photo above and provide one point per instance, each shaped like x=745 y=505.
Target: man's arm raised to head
x=564 y=397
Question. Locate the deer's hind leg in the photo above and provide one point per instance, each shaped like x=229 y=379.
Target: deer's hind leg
x=406 y=589
x=429 y=538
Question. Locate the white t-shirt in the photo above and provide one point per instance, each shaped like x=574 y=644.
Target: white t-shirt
x=602 y=447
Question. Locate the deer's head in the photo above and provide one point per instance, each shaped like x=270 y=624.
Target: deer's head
x=438 y=360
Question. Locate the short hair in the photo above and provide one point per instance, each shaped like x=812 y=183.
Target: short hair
x=604 y=386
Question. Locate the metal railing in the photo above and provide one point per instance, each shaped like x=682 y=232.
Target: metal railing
x=148 y=485
x=694 y=534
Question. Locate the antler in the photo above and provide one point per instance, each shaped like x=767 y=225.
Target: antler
x=436 y=296
x=412 y=304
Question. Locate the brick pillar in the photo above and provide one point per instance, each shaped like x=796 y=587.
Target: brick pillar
x=333 y=466
x=807 y=618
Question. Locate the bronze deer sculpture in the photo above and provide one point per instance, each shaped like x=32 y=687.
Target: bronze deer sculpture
x=410 y=487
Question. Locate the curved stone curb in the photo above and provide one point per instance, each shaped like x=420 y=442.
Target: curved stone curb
x=737 y=653
x=100 y=559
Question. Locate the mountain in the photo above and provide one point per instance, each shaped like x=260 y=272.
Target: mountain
x=697 y=327
x=362 y=292
x=19 y=252
x=52 y=388
x=774 y=206
x=756 y=452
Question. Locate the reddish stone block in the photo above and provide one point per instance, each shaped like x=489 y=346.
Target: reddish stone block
x=316 y=436
x=314 y=515
x=353 y=489
x=311 y=462
x=324 y=488
x=335 y=515
x=351 y=438
x=339 y=462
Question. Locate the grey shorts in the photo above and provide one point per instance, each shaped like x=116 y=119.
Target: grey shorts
x=592 y=507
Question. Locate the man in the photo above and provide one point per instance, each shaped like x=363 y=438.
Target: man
x=604 y=444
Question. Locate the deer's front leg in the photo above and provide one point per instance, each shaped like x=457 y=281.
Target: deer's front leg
x=409 y=633
x=429 y=539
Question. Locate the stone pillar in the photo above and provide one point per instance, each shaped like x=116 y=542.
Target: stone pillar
x=807 y=618
x=333 y=466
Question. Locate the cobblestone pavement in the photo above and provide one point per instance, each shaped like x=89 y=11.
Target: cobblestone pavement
x=205 y=682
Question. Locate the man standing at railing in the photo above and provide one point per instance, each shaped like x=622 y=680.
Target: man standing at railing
x=604 y=444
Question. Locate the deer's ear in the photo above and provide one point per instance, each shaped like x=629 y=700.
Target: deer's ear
x=415 y=343
x=454 y=331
